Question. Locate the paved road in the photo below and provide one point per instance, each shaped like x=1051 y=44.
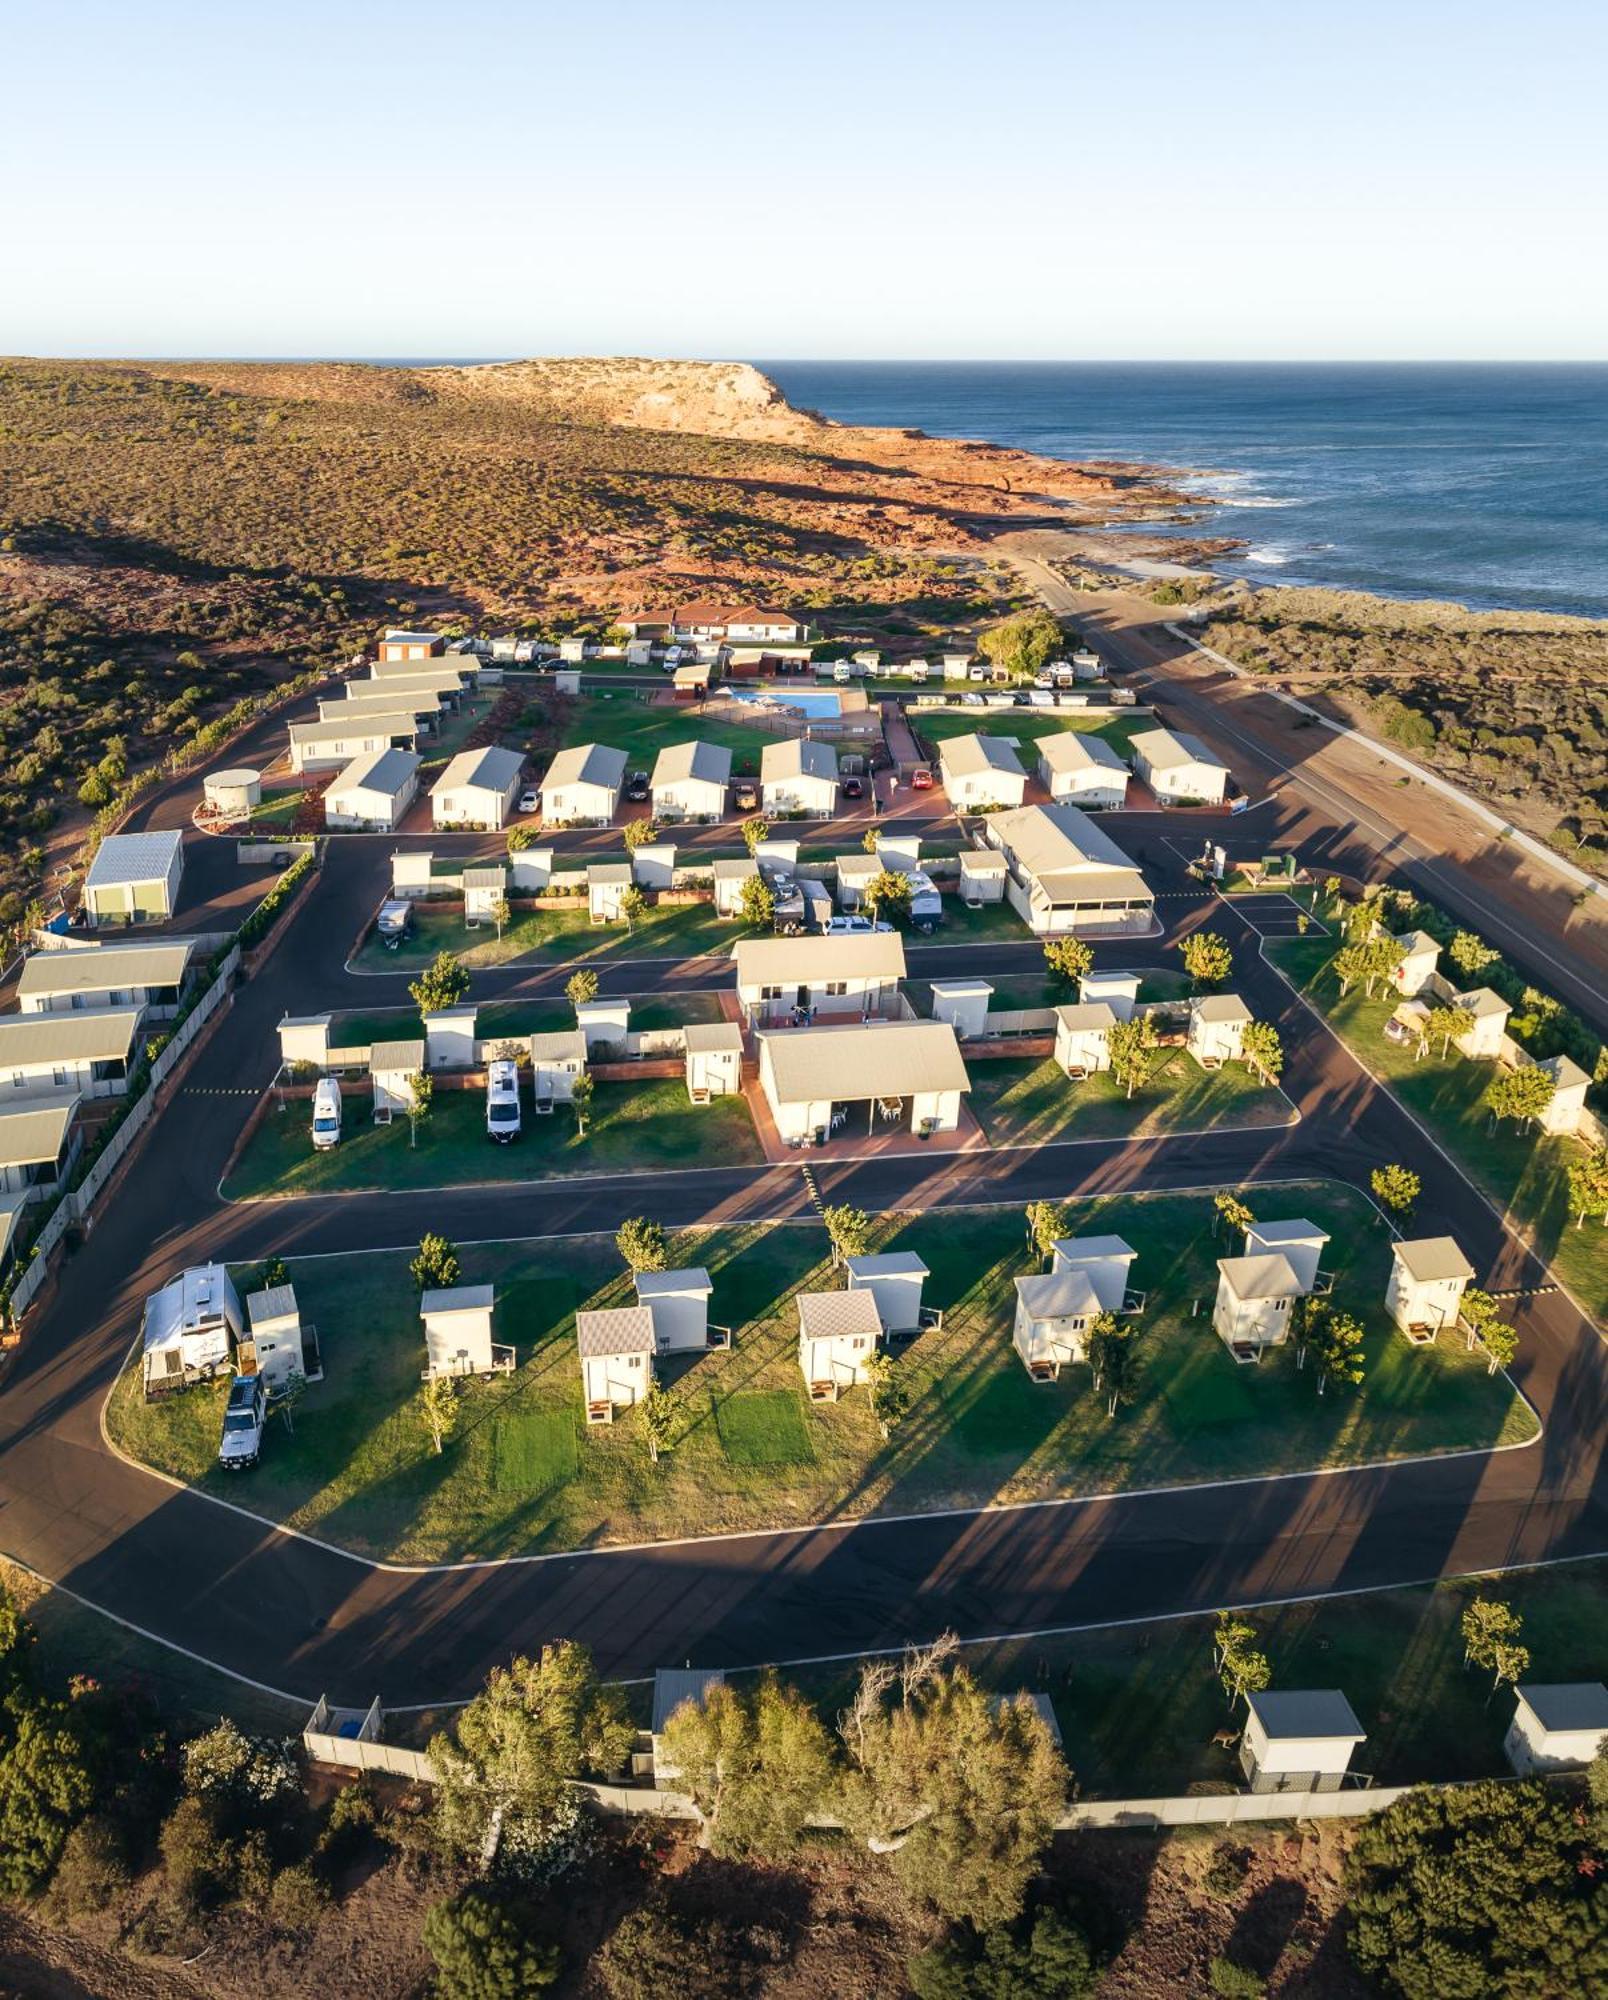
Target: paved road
x=306 y=1619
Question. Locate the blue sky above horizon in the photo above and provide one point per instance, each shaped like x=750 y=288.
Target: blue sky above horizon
x=1035 y=181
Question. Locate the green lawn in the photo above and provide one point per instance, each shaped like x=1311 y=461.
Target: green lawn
x=454 y=732
x=1014 y=992
x=749 y=1450
x=1526 y=1173
x=631 y=1127
x=982 y=924
x=1026 y=725
x=276 y=811
x=642 y=730
x=555 y=937
x=1138 y=1706
x=1023 y=1102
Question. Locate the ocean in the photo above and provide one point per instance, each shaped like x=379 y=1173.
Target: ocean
x=1484 y=484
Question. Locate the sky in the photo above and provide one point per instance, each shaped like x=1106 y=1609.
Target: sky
x=1423 y=179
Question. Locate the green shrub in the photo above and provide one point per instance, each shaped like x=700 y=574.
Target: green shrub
x=93 y=1867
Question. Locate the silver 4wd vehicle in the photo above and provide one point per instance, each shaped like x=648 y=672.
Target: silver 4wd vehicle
x=243 y=1421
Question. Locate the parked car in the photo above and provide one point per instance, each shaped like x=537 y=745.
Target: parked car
x=530 y=800
x=502 y=1101
x=394 y=922
x=921 y=779
x=637 y=787
x=745 y=795
x=854 y=788
x=244 y=1416
x=326 y=1114
x=852 y=927
x=1398 y=1032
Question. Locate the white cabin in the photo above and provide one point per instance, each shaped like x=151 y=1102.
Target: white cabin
x=616 y=1351
x=849 y=977
x=557 y=1061
x=1119 y=990
x=1082 y=770
x=274 y=1322
x=690 y=782
x=729 y=877
x=478 y=788
x=1559 y=1726
x=1484 y=1040
x=678 y=1304
x=1179 y=769
x=392 y=1067
x=449 y=1037
x=799 y=776
x=1217 y=1024
x=1083 y=1037
x=983 y=874
x=457 y=1332
x=714 y=1058
x=963 y=1003
x=1302 y=1242
x=606 y=885
x=374 y=792
x=837 y=1335
x=1428 y=1277
x=822 y=1083
x=1298 y=1740
x=1567 y=1104
x=981 y=773
x=1420 y=956
x=1255 y=1297
x=582 y=786
x=895 y=1280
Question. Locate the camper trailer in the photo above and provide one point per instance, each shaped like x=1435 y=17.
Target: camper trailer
x=326 y=1115
x=393 y=922
x=502 y=1101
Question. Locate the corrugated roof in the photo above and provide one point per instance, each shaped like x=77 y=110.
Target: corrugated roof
x=969 y=756
x=674 y=1685
x=567 y=1045
x=1306 y=1712
x=888 y=1264
x=1056 y=839
x=1063 y=1294
x=706 y=763
x=273 y=1302
x=1481 y=1002
x=1228 y=1007
x=587 y=764
x=887 y=1059
x=664 y=1284
x=1266 y=1277
x=1073 y=887
x=104 y=967
x=797 y=757
x=1565 y=1072
x=732 y=870
x=837 y=1315
x=814 y=960
x=101 y=1035
x=1093 y=1249
x=489 y=770
x=625 y=1330
x=30 y=1138
x=981 y=861
x=607 y=871
x=710 y=1037
x=1429 y=1259
x=1087 y=1017
x=1272 y=1235
x=399 y=722
x=388 y=772
x=458 y=1299
x=1567 y=1704
x=1071 y=750
x=485 y=878
x=1171 y=749
x=124 y=858
x=392 y=1056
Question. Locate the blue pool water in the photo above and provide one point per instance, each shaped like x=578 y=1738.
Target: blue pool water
x=807 y=700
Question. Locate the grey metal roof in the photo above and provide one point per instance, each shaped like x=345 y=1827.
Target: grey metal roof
x=1268 y=1277
x=1271 y=1235
x=1056 y=839
x=888 y=1059
x=886 y=1264
x=705 y=763
x=608 y=871
x=587 y=764
x=1428 y=1259
x=273 y=1302
x=1087 y=1017
x=400 y=721
x=99 y=1035
x=132 y=858
x=709 y=1037
x=969 y=756
x=458 y=1299
x=674 y=1685
x=1567 y=1704
x=665 y=1284
x=813 y=960
x=730 y=869
x=1093 y=1249
x=99 y=970
x=797 y=757
x=624 y=1330
x=1073 y=750
x=490 y=770
x=1063 y=1294
x=837 y=1315
x=564 y=1045
x=388 y=772
x=1481 y=1002
x=1565 y=1072
x=1306 y=1712
x=393 y=1056
x=30 y=1137
x=1171 y=749
x=1227 y=1007
x=488 y=877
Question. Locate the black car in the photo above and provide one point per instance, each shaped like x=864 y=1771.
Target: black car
x=637 y=787
x=854 y=788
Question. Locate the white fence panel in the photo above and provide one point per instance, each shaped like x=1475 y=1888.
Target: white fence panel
x=1020 y=1021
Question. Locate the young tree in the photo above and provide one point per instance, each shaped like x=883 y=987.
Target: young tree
x=1588 y=1186
x=887 y=895
x=519 y=838
x=1471 y=954
x=1054 y=1958
x=849 y=1230
x=1486 y=1624
x=1262 y=1051
x=889 y=1391
x=1336 y=1343
x=870 y=840
x=757 y=901
x=582 y=1091
x=1233 y=1215
x=482 y=1951
x=1349 y=964
x=1306 y=1316
x=537 y=1724
x=1069 y=958
x=1474 y=1308
x=658 y=1408
x=421 y=1100
x=1023 y=644
x=643 y=1244
x=47 y=1783
x=1448 y=1025
x=1241 y=1669
x=1113 y=1351
x=633 y=906
x=501 y=916
x=581 y=987
x=438 y=1410
x=755 y=830
x=1501 y=1343
x=1129 y=1045
x=756 y=1764
x=959 y=1789
x=1396 y=1188
x=1520 y=1094
x=639 y=833
x=443 y=983
x=1047 y=1223
x=436 y=1268
x=1207 y=958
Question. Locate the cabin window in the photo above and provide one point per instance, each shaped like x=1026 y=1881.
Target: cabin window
x=836 y=988
x=770 y=993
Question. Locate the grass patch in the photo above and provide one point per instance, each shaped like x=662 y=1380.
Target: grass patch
x=1526 y=1173
x=631 y=1127
x=1025 y=1102
x=747 y=1453
x=1027 y=725
x=554 y=937
x=641 y=729
x=763 y=1427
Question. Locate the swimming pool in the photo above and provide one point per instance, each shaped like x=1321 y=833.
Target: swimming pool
x=808 y=701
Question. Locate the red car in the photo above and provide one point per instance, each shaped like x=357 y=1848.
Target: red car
x=921 y=779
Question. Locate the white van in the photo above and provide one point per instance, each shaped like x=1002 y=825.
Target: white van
x=502 y=1101
x=326 y=1114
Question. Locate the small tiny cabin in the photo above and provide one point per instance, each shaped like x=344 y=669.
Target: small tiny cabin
x=729 y=878
x=714 y=1058
x=1298 y=1740
x=983 y=874
x=606 y=1024
x=616 y=1351
x=556 y=1061
x=1302 y=1242
x=392 y=1068
x=678 y=1304
x=274 y=1322
x=1217 y=1024
x=1083 y=1037
x=1255 y=1296
x=1053 y=1311
x=963 y=1003
x=457 y=1332
x=895 y=1280
x=1484 y=1040
x=483 y=890
x=1428 y=1277
x=1420 y=956
x=837 y=1335
x=449 y=1037
x=1567 y=1104
x=606 y=886
x=1560 y=1726
x=1119 y=990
